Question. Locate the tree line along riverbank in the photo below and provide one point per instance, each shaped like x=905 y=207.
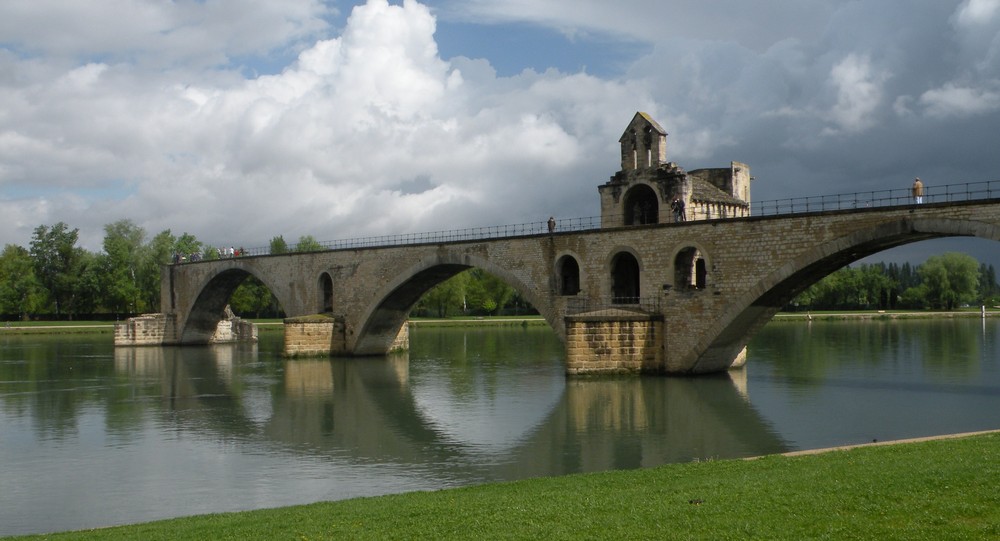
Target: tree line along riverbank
x=107 y=327
x=931 y=489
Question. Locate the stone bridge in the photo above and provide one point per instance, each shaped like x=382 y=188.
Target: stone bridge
x=675 y=279
x=677 y=298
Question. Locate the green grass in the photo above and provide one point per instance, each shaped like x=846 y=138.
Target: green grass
x=942 y=489
x=56 y=327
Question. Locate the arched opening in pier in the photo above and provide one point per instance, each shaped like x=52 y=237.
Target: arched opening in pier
x=568 y=276
x=625 y=279
x=326 y=290
x=232 y=292
x=641 y=206
x=690 y=270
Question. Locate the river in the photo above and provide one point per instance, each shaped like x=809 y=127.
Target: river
x=93 y=436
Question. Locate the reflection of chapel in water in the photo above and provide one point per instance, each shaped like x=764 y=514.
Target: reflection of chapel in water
x=644 y=192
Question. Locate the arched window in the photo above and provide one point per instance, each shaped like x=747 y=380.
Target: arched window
x=690 y=270
x=641 y=206
x=624 y=279
x=569 y=276
x=326 y=287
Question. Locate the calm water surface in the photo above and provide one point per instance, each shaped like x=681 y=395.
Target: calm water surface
x=93 y=436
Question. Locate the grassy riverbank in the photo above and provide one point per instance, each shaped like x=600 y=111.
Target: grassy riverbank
x=939 y=489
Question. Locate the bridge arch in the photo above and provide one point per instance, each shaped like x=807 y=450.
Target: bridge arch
x=214 y=294
x=726 y=339
x=380 y=322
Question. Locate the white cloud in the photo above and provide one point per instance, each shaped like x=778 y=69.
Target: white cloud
x=978 y=12
x=370 y=131
x=859 y=93
x=159 y=33
x=757 y=24
x=954 y=101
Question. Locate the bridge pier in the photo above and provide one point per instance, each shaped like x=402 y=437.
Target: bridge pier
x=161 y=330
x=326 y=335
x=614 y=341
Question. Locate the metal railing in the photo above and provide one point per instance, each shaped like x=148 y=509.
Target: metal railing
x=948 y=193
x=970 y=191
x=644 y=305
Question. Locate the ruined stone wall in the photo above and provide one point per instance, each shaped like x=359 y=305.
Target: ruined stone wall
x=146 y=330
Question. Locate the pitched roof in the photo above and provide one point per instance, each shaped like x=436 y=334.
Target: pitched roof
x=702 y=190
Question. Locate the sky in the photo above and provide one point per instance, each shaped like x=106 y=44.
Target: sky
x=241 y=120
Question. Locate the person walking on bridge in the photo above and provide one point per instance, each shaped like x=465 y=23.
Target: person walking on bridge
x=918 y=191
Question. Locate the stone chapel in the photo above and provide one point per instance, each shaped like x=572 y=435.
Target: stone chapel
x=645 y=189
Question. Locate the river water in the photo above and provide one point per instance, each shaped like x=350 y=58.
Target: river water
x=92 y=436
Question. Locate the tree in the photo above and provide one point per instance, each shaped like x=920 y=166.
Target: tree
x=988 y=288
x=446 y=297
x=950 y=279
x=124 y=253
x=53 y=251
x=487 y=291
x=187 y=245
x=160 y=251
x=21 y=292
x=252 y=297
x=308 y=244
x=278 y=245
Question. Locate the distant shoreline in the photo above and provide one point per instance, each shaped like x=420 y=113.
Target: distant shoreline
x=107 y=327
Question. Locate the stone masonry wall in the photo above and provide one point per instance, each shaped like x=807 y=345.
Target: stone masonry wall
x=614 y=344
x=314 y=337
x=752 y=265
x=146 y=330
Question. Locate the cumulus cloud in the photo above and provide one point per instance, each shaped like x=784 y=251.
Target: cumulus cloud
x=368 y=128
x=953 y=101
x=859 y=93
x=328 y=147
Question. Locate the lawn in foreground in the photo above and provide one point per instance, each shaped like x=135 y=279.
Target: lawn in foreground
x=942 y=489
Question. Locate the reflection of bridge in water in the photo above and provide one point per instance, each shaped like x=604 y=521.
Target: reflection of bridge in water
x=370 y=411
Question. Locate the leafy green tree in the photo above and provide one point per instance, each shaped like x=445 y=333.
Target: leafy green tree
x=187 y=245
x=446 y=298
x=253 y=298
x=21 y=292
x=160 y=251
x=989 y=291
x=278 y=245
x=308 y=244
x=487 y=291
x=87 y=291
x=951 y=279
x=53 y=251
x=124 y=252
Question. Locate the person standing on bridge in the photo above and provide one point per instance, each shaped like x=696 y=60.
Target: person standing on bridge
x=918 y=191
x=552 y=224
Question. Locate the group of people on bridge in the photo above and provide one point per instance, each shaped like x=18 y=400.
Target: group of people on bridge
x=220 y=253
